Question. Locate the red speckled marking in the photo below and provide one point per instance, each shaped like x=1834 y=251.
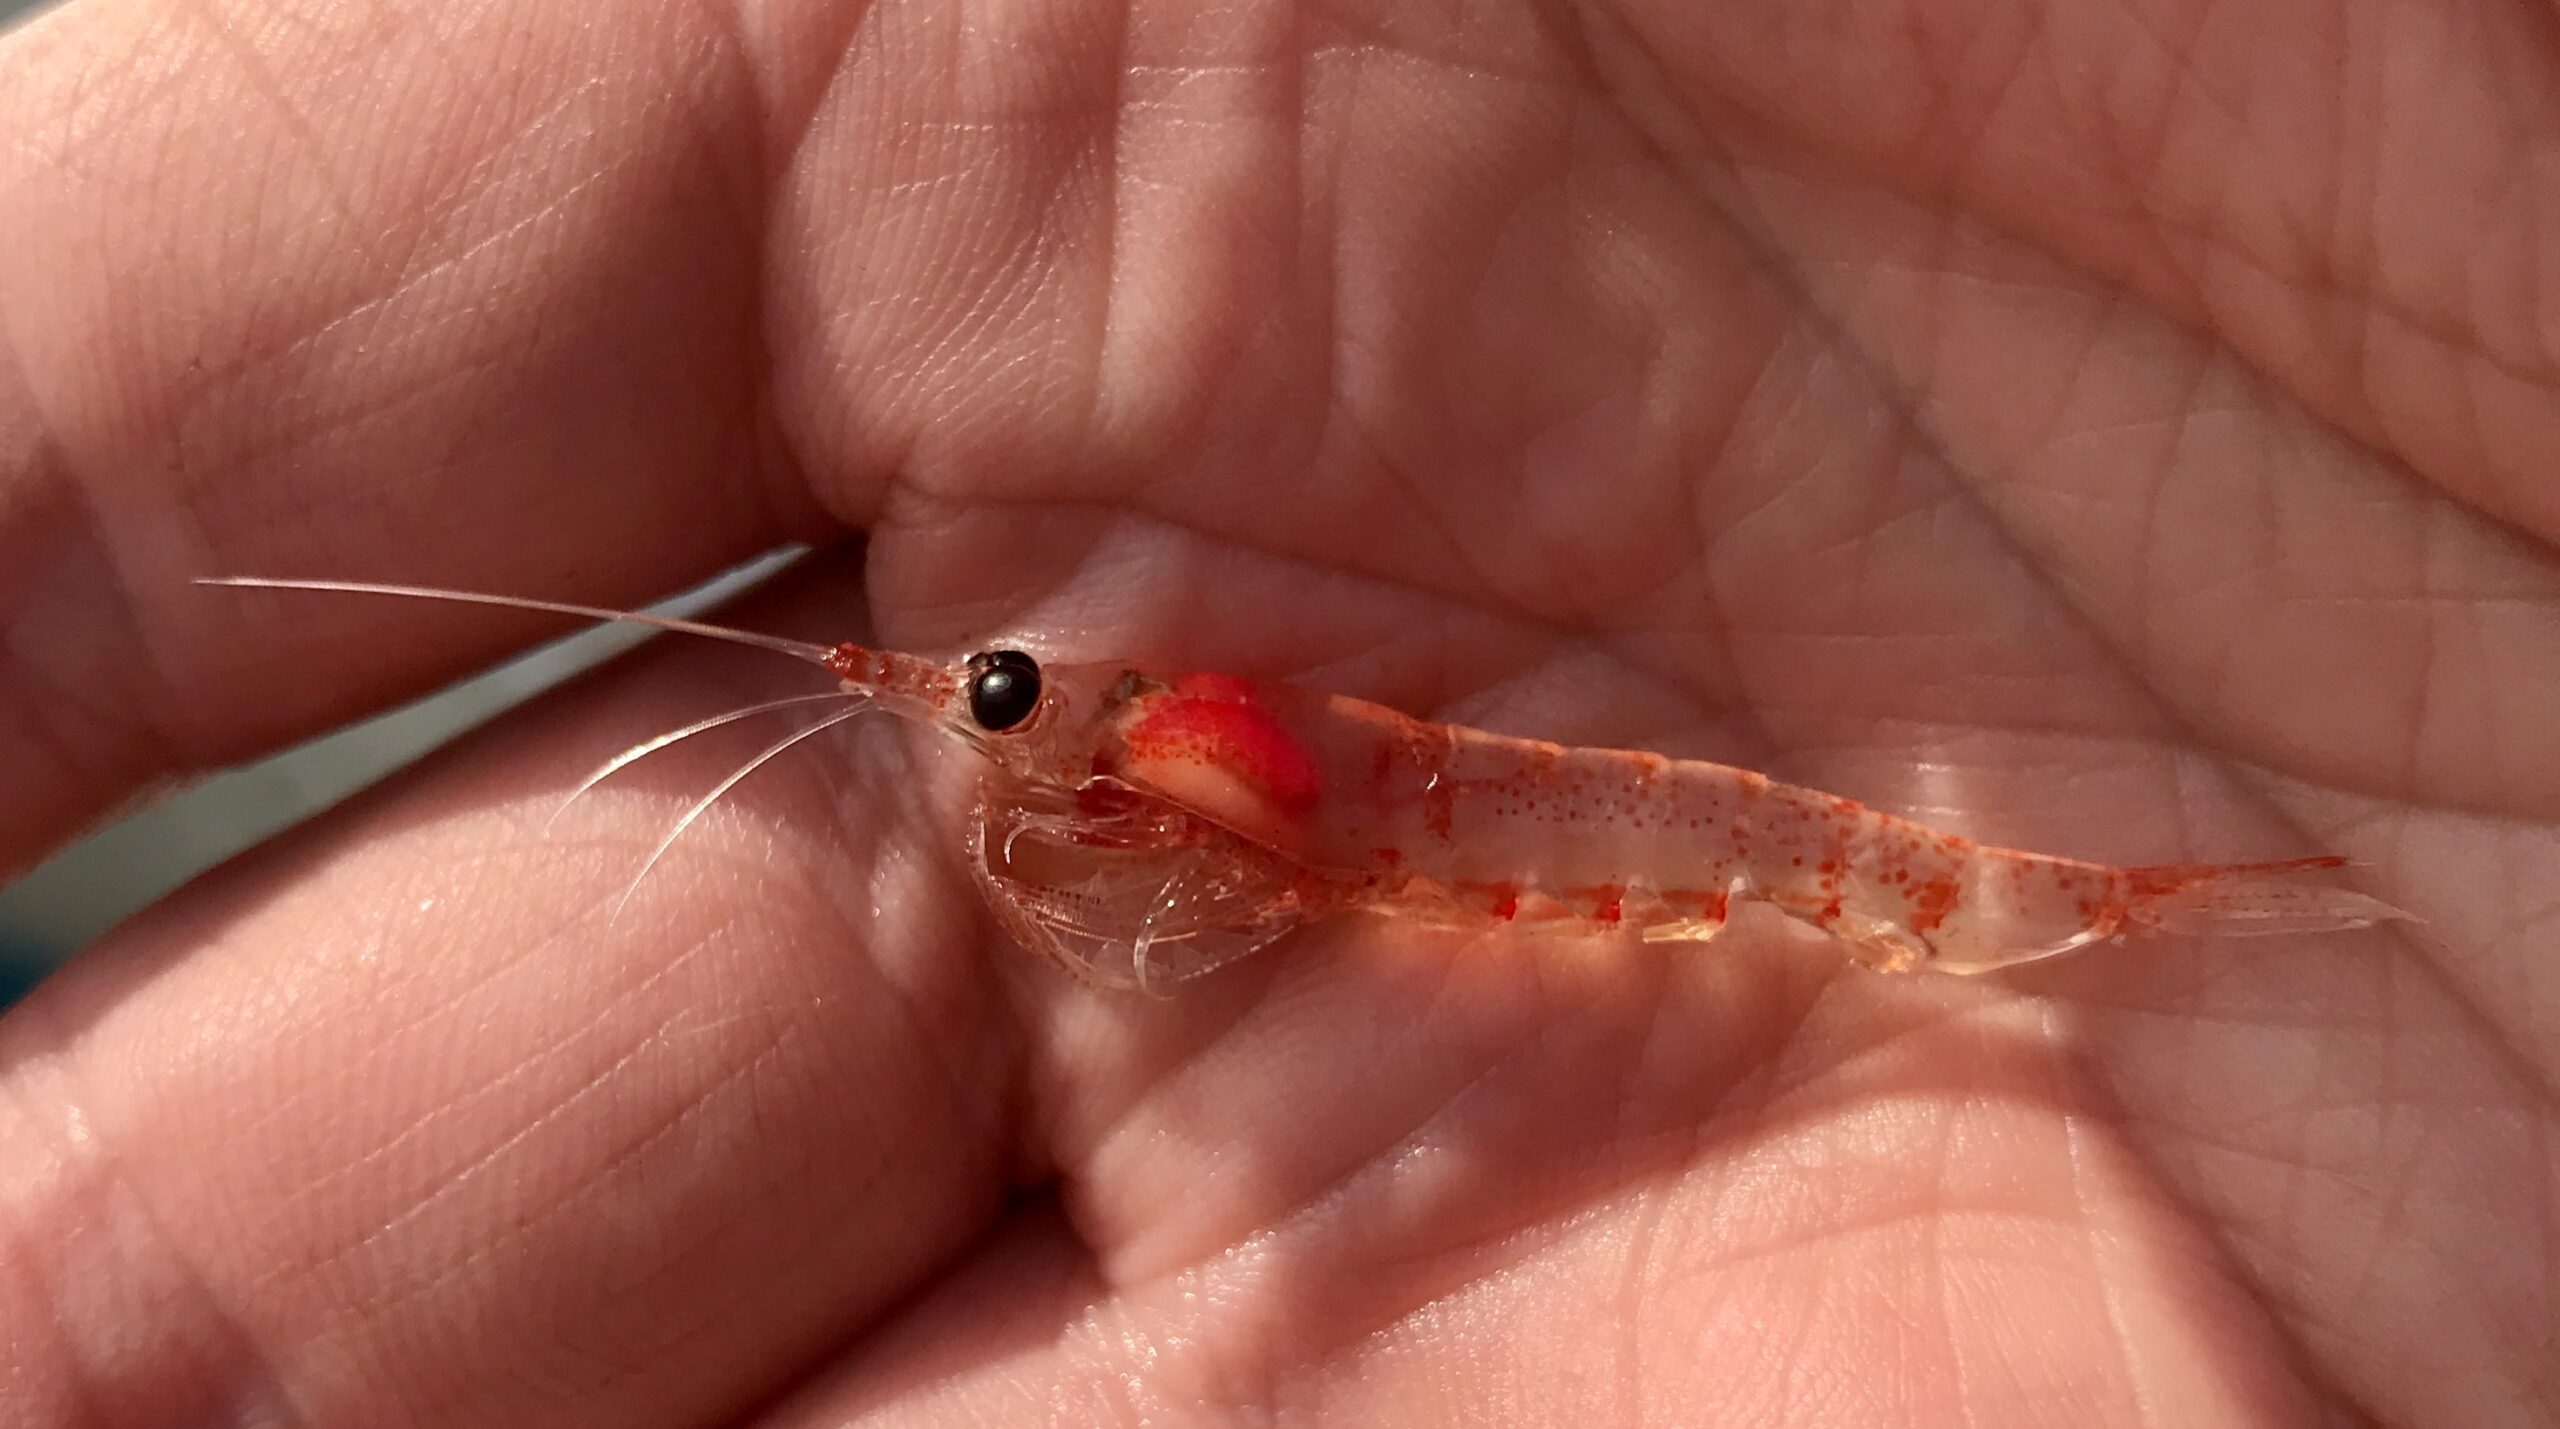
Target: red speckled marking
x=1241 y=739
x=1431 y=749
x=2146 y=882
x=1931 y=902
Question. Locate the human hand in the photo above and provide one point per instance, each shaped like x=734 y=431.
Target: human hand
x=2118 y=432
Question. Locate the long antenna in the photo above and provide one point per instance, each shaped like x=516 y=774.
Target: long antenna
x=815 y=654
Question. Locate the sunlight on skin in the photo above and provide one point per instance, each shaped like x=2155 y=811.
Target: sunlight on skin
x=2117 y=431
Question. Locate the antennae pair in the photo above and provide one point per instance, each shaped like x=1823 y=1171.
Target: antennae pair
x=798 y=649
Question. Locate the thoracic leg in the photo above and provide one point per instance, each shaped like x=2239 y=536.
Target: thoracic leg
x=1687 y=930
x=1688 y=917
x=1885 y=947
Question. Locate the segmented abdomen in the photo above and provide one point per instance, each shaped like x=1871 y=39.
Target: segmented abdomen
x=1512 y=828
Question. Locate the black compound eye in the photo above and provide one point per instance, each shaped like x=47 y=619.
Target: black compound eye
x=1004 y=689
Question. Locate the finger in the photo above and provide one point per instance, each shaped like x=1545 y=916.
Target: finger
x=456 y=294
x=392 y=1123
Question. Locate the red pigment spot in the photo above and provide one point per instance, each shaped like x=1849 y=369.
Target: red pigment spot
x=1387 y=857
x=1241 y=739
x=1612 y=905
x=1439 y=796
x=1930 y=904
x=2168 y=877
x=1498 y=900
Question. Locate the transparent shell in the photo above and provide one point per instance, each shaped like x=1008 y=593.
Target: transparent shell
x=1124 y=889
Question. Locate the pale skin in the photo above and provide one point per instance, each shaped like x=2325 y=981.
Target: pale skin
x=2122 y=431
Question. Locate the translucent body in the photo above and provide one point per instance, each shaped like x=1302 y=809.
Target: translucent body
x=1143 y=828
x=1461 y=827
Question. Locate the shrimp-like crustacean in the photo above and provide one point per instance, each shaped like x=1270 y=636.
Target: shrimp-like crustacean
x=1142 y=827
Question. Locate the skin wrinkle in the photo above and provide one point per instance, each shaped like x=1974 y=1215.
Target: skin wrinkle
x=1345 y=412
x=165 y=749
x=2147 y=563
x=406 y=279
x=2065 y=591
x=588 y=1185
x=290 y=1098
x=297 y=126
x=429 y=1123
x=464 y=1179
x=2146 y=171
x=1769 y=259
x=2371 y=310
x=2373 y=304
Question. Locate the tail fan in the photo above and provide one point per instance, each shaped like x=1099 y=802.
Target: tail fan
x=2246 y=899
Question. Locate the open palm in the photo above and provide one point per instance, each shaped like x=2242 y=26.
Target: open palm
x=2119 y=431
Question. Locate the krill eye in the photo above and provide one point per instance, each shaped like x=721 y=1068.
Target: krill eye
x=1004 y=690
